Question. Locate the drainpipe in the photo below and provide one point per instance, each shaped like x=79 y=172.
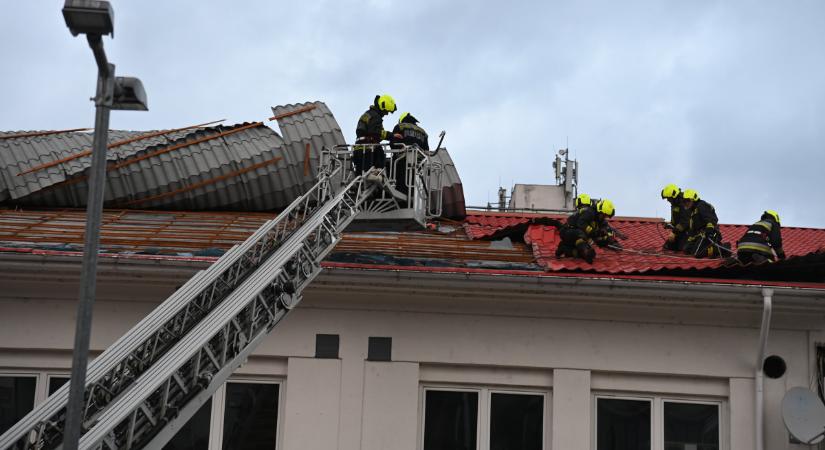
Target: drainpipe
x=767 y=295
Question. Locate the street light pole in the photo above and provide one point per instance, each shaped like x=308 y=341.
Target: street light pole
x=94 y=18
x=88 y=276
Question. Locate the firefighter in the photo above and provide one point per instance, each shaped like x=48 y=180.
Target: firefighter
x=584 y=228
x=407 y=132
x=583 y=201
x=762 y=242
x=370 y=130
x=703 y=236
x=679 y=219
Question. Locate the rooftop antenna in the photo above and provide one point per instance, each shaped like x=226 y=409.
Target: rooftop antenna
x=804 y=415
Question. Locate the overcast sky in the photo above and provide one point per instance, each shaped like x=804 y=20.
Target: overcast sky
x=724 y=97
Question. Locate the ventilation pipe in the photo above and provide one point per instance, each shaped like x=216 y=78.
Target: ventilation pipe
x=767 y=296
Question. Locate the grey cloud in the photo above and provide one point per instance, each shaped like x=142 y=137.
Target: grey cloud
x=725 y=97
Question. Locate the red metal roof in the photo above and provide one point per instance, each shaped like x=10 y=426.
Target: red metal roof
x=642 y=250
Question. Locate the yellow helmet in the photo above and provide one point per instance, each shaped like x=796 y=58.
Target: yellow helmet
x=385 y=103
x=582 y=200
x=671 y=191
x=606 y=207
x=407 y=117
x=773 y=214
x=690 y=194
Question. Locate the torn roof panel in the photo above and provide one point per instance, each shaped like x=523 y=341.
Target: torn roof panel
x=642 y=251
x=247 y=166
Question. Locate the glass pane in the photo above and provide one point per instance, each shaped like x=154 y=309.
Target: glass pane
x=16 y=399
x=251 y=417
x=689 y=426
x=622 y=424
x=516 y=421
x=195 y=434
x=56 y=383
x=450 y=420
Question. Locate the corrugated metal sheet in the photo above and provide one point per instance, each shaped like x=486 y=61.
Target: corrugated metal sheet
x=452 y=194
x=21 y=154
x=307 y=128
x=239 y=167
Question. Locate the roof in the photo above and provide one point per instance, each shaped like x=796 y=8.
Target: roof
x=489 y=242
x=245 y=166
x=642 y=250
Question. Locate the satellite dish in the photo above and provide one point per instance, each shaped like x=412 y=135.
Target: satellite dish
x=804 y=415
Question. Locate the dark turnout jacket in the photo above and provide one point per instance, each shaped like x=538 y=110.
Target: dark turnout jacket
x=763 y=237
x=411 y=134
x=702 y=217
x=679 y=217
x=585 y=224
x=370 y=128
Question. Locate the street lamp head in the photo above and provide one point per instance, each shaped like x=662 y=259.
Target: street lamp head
x=129 y=94
x=91 y=17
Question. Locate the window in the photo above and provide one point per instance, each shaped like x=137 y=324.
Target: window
x=251 y=416
x=516 y=421
x=245 y=417
x=622 y=424
x=645 y=423
x=483 y=419
x=195 y=434
x=16 y=399
x=450 y=420
x=56 y=382
x=691 y=426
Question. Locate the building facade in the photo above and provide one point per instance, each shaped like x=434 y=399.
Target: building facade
x=436 y=358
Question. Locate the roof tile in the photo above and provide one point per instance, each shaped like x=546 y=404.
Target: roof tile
x=642 y=251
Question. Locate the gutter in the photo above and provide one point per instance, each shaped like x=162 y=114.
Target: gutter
x=759 y=397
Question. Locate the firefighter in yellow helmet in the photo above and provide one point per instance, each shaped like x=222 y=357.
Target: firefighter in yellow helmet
x=369 y=132
x=583 y=201
x=679 y=219
x=584 y=228
x=762 y=242
x=704 y=237
x=407 y=132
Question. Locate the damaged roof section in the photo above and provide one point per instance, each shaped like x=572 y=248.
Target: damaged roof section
x=242 y=167
x=495 y=242
x=642 y=250
x=205 y=234
x=246 y=166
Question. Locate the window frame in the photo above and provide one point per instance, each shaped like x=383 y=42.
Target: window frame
x=639 y=398
x=657 y=414
x=38 y=382
x=546 y=425
x=485 y=396
x=48 y=381
x=723 y=445
x=219 y=410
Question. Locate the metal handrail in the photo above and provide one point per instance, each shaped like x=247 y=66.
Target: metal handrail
x=424 y=176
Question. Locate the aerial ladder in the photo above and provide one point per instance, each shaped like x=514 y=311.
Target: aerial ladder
x=150 y=382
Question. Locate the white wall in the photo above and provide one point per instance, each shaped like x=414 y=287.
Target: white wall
x=350 y=403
